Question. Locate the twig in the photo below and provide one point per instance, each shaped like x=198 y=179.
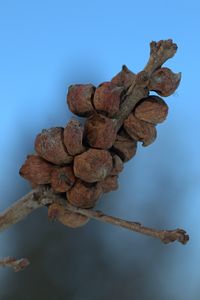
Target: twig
x=159 y=53
x=24 y=206
x=43 y=196
x=16 y=264
x=166 y=236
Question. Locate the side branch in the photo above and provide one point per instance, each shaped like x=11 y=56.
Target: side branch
x=23 y=207
x=160 y=52
x=43 y=196
x=16 y=264
x=166 y=236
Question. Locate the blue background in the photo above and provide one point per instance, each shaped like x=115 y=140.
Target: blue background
x=44 y=47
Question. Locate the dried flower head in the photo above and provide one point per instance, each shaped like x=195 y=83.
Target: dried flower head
x=58 y=212
x=73 y=137
x=152 y=109
x=84 y=194
x=109 y=184
x=100 y=131
x=36 y=170
x=140 y=130
x=164 y=82
x=93 y=165
x=62 y=179
x=124 y=78
x=49 y=145
x=79 y=99
x=124 y=146
x=107 y=98
x=117 y=165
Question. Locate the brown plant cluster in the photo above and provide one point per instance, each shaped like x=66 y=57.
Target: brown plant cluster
x=73 y=166
x=84 y=159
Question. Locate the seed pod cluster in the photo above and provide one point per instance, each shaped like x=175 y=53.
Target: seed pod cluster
x=83 y=161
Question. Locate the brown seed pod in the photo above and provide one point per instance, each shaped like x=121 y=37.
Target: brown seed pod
x=49 y=145
x=83 y=194
x=93 y=165
x=152 y=109
x=73 y=137
x=124 y=78
x=36 y=170
x=58 y=212
x=62 y=179
x=107 y=98
x=164 y=82
x=140 y=130
x=79 y=99
x=109 y=184
x=124 y=146
x=100 y=131
x=117 y=165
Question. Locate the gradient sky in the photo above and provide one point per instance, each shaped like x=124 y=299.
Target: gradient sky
x=47 y=45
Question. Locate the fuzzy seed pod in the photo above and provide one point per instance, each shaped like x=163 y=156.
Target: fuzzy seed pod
x=36 y=170
x=164 y=82
x=73 y=137
x=49 y=145
x=107 y=98
x=79 y=99
x=117 y=165
x=100 y=131
x=67 y=218
x=152 y=109
x=83 y=194
x=124 y=146
x=62 y=179
x=140 y=130
x=124 y=78
x=109 y=184
x=93 y=165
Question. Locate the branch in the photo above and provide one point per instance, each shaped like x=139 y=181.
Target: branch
x=43 y=196
x=160 y=52
x=24 y=206
x=16 y=264
x=166 y=236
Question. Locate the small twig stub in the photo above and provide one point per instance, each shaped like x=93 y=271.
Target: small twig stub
x=16 y=264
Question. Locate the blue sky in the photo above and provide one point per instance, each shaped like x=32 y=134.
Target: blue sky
x=47 y=45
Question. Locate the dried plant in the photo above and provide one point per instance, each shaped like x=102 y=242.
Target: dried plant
x=75 y=165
